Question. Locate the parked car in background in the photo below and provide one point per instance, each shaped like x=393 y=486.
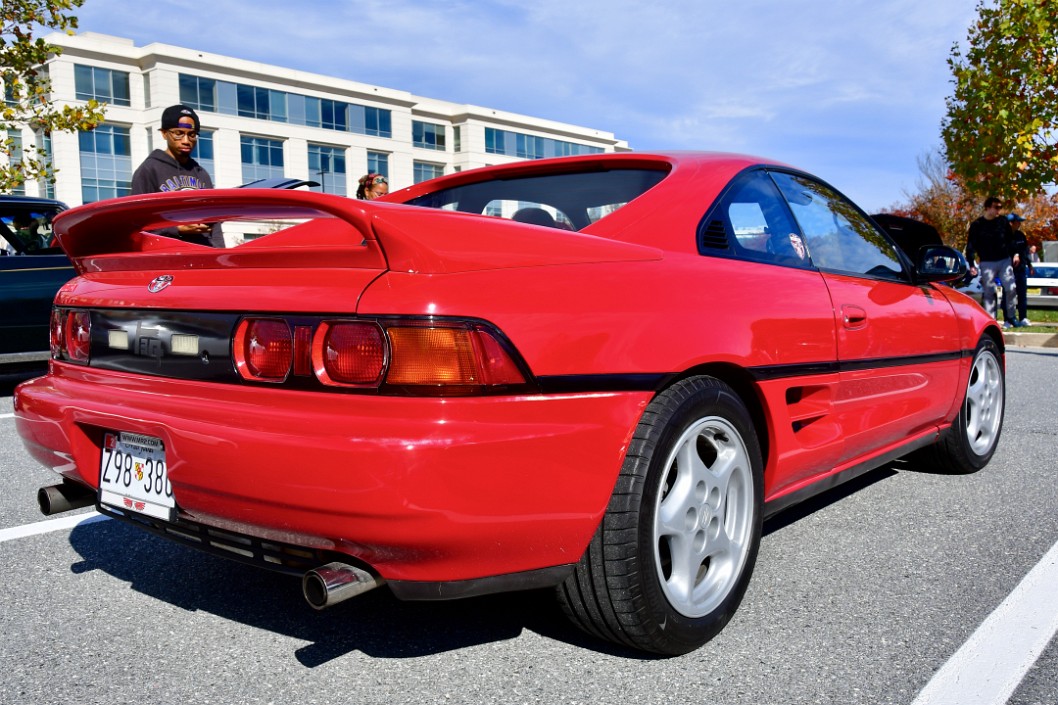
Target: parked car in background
x=1042 y=285
x=557 y=373
x=32 y=268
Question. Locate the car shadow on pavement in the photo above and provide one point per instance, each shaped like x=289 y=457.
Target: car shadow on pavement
x=834 y=495
x=376 y=623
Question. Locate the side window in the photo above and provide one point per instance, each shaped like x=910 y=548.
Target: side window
x=750 y=221
x=838 y=236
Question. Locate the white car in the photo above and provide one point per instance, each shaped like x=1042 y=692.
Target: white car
x=1042 y=285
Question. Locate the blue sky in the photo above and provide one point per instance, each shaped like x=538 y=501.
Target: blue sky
x=850 y=90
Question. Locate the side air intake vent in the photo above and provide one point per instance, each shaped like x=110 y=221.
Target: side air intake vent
x=714 y=236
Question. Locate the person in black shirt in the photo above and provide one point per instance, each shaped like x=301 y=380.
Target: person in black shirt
x=989 y=239
x=1022 y=265
x=173 y=169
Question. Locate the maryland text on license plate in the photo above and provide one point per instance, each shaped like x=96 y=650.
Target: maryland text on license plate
x=133 y=477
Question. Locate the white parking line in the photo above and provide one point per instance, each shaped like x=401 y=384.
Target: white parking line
x=993 y=661
x=7 y=416
x=44 y=527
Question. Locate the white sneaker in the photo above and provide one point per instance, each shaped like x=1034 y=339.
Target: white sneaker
x=1025 y=322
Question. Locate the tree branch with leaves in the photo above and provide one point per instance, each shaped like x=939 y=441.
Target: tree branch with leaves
x=27 y=88
x=1001 y=125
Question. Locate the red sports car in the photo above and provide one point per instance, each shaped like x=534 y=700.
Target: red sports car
x=596 y=373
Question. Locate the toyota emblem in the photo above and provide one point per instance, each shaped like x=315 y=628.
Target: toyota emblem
x=159 y=283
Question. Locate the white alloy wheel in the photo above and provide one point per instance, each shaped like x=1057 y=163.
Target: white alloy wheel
x=703 y=519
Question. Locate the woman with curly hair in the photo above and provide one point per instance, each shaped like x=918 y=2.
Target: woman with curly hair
x=372 y=186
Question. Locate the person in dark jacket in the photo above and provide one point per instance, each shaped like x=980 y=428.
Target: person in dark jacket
x=174 y=169
x=1022 y=265
x=990 y=239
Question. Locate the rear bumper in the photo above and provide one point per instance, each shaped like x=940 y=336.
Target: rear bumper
x=419 y=489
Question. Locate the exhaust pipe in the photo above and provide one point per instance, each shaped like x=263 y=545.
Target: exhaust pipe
x=330 y=584
x=62 y=498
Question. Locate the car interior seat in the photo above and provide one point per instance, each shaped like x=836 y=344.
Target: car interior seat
x=534 y=216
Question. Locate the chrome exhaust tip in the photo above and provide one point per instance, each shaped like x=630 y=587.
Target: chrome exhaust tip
x=330 y=584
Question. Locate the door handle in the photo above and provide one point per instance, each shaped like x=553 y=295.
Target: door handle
x=853 y=317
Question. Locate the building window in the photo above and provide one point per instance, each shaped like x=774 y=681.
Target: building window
x=377 y=122
x=457 y=138
x=16 y=157
x=94 y=83
x=327 y=165
x=517 y=144
x=106 y=163
x=262 y=158
x=424 y=171
x=378 y=163
x=261 y=103
x=427 y=135
x=46 y=186
x=198 y=93
x=264 y=104
x=203 y=153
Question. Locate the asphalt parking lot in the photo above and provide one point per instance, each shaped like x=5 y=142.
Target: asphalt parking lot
x=861 y=596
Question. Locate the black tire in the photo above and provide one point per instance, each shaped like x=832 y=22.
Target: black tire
x=672 y=557
x=969 y=443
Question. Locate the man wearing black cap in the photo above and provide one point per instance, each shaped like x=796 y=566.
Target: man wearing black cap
x=1019 y=247
x=173 y=169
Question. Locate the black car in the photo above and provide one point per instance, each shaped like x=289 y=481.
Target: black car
x=32 y=269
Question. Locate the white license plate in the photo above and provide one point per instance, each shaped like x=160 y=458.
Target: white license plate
x=133 y=477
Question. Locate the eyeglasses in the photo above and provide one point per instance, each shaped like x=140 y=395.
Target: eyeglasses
x=182 y=135
x=378 y=180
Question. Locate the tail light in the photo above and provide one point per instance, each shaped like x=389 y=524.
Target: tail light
x=402 y=356
x=349 y=353
x=264 y=349
x=55 y=332
x=77 y=336
x=449 y=358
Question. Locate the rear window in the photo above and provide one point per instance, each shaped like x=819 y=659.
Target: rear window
x=1044 y=272
x=567 y=201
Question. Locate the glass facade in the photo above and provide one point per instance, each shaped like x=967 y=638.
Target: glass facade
x=262 y=158
x=106 y=163
x=16 y=156
x=424 y=171
x=209 y=95
x=92 y=82
x=427 y=135
x=378 y=163
x=327 y=166
x=517 y=144
x=46 y=186
x=203 y=153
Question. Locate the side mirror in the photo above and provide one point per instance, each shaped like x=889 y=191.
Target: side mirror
x=938 y=263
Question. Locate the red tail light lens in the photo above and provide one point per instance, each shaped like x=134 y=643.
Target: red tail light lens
x=455 y=360
x=264 y=349
x=349 y=353
x=55 y=332
x=77 y=336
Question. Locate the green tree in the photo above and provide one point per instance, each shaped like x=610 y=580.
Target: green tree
x=27 y=88
x=1002 y=120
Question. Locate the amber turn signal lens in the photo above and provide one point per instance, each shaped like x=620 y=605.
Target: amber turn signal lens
x=449 y=357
